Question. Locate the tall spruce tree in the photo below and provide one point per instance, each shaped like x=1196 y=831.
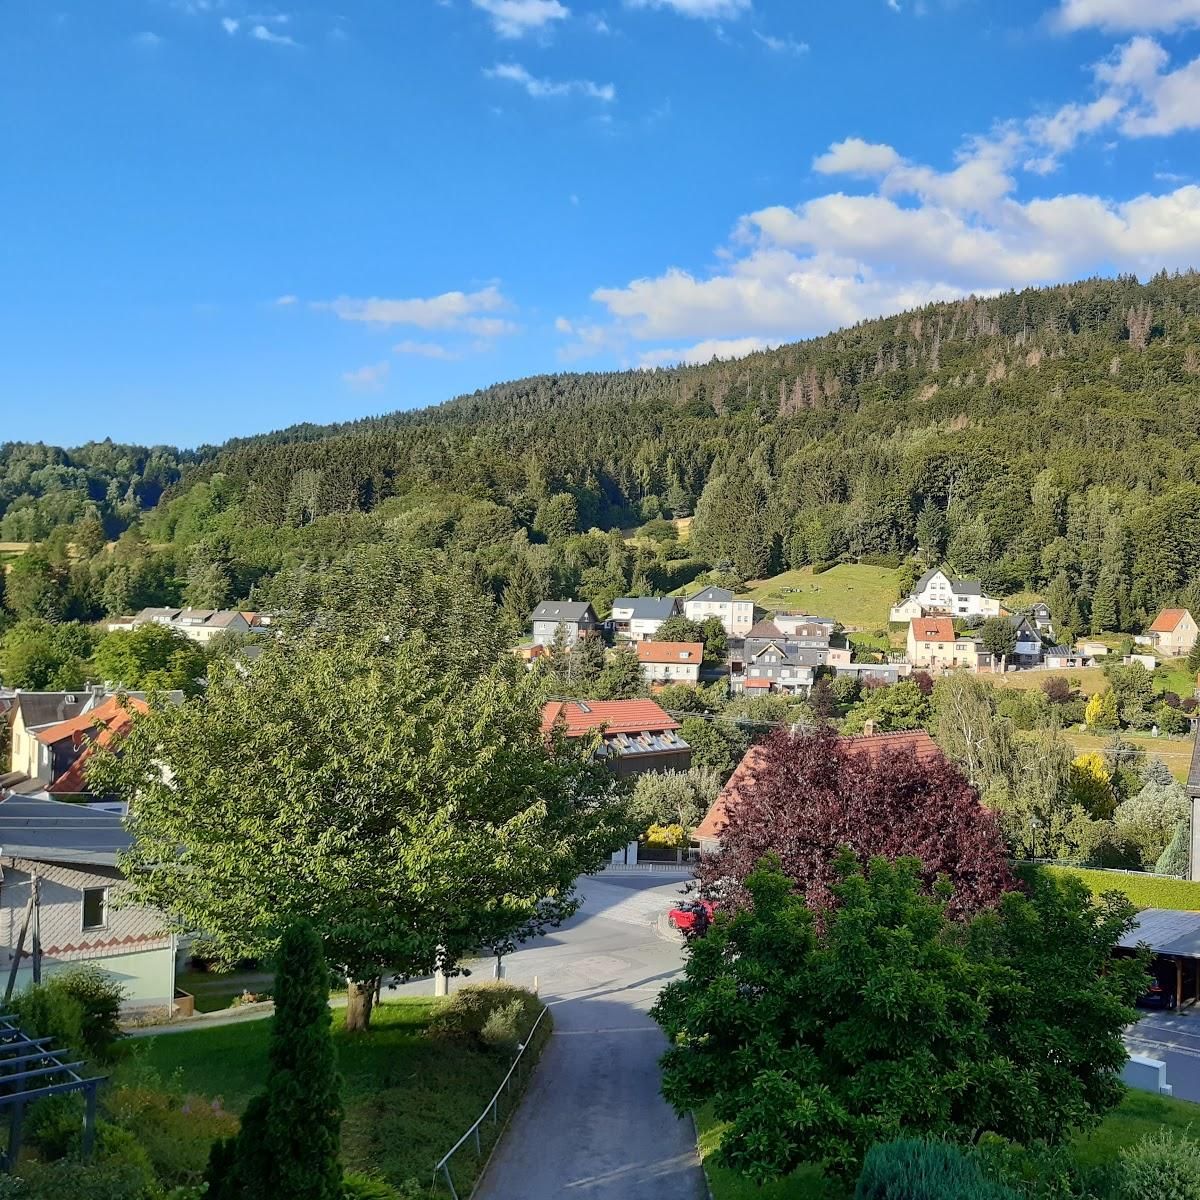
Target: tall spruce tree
x=290 y=1136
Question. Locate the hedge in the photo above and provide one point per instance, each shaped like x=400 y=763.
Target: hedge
x=1146 y=891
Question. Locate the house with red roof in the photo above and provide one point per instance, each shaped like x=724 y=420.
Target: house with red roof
x=635 y=736
x=1173 y=633
x=934 y=646
x=741 y=782
x=670 y=662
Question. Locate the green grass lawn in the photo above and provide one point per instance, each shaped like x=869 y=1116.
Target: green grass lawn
x=1140 y=1114
x=1146 y=891
x=407 y=1098
x=215 y=990
x=1176 y=752
x=858 y=596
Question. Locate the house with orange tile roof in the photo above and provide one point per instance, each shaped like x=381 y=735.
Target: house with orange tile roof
x=635 y=736
x=741 y=782
x=65 y=749
x=934 y=646
x=670 y=662
x=1173 y=633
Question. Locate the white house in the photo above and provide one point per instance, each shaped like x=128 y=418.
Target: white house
x=639 y=617
x=61 y=879
x=937 y=593
x=736 y=615
x=670 y=662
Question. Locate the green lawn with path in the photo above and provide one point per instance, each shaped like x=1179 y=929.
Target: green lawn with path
x=407 y=1097
x=1140 y=1114
x=856 y=595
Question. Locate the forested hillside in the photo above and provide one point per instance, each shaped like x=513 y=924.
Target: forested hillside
x=1048 y=440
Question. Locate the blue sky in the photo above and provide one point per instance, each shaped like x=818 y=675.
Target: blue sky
x=219 y=217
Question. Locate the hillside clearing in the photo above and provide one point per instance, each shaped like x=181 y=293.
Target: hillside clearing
x=857 y=595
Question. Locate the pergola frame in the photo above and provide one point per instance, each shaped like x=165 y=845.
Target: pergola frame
x=31 y=1068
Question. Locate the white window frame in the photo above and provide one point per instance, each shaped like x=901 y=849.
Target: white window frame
x=83 y=909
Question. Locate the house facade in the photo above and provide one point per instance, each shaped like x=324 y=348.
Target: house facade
x=938 y=593
x=1173 y=633
x=570 y=618
x=639 y=617
x=1029 y=650
x=60 y=877
x=934 y=646
x=736 y=615
x=199 y=624
x=671 y=662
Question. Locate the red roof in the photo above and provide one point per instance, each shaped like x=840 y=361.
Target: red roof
x=1167 y=620
x=756 y=683
x=113 y=717
x=112 y=709
x=917 y=741
x=933 y=629
x=670 y=652
x=577 y=717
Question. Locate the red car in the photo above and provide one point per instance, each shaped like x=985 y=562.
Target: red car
x=683 y=916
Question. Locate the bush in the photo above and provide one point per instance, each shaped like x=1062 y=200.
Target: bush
x=357 y=1186
x=54 y=1125
x=819 y=568
x=1162 y=1166
x=1146 y=891
x=505 y=1028
x=914 y=1169
x=78 y=1007
x=465 y=1014
x=72 y=1180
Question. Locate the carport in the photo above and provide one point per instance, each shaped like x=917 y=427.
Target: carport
x=1174 y=939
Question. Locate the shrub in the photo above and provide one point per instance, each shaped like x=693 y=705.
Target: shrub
x=79 y=1007
x=819 y=568
x=505 y=1027
x=69 y=1179
x=54 y=1125
x=356 y=1186
x=466 y=1014
x=1161 y=1166
x=1176 y=858
x=1146 y=891
x=914 y=1169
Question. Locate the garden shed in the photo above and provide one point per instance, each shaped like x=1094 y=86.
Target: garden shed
x=1174 y=938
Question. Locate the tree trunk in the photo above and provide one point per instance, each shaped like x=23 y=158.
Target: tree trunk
x=498 y=967
x=360 y=999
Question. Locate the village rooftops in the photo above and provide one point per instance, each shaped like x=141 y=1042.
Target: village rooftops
x=670 y=652
x=571 y=611
x=1167 y=620
x=647 y=608
x=933 y=629
x=579 y=717
x=50 y=831
x=712 y=595
x=766 y=630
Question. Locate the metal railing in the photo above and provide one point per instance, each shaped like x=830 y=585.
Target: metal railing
x=443 y=1167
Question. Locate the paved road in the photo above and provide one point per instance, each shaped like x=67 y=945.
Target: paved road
x=592 y=1124
x=1173 y=1037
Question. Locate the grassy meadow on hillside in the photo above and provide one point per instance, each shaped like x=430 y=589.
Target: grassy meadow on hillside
x=858 y=596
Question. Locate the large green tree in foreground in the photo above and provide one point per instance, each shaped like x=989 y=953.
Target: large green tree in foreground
x=889 y=1018
x=289 y=1139
x=410 y=812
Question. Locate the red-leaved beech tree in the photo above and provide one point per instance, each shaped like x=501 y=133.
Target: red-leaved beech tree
x=803 y=797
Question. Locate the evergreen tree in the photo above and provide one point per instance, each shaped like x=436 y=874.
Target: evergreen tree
x=290 y=1136
x=1176 y=859
x=931 y=532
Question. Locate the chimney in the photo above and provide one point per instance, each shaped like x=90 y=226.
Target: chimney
x=869 y=728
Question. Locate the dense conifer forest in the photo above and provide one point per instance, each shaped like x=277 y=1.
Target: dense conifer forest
x=1048 y=440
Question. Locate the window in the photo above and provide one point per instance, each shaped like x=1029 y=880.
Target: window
x=95 y=908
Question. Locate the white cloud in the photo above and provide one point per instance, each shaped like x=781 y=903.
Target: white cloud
x=285 y=301
x=516 y=18
x=262 y=34
x=453 y=311
x=146 y=40
x=424 y=350
x=229 y=25
x=706 y=351
x=1127 y=16
x=706 y=10
x=542 y=89
x=369 y=377
x=856 y=157
x=782 y=45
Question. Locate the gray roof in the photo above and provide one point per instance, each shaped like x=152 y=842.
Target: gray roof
x=923 y=582
x=51 y=831
x=649 y=608
x=1165 y=931
x=1064 y=652
x=49 y=708
x=569 y=611
x=967 y=587
x=157 y=614
x=713 y=595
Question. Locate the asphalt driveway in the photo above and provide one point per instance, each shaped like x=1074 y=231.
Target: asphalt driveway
x=592 y=1124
